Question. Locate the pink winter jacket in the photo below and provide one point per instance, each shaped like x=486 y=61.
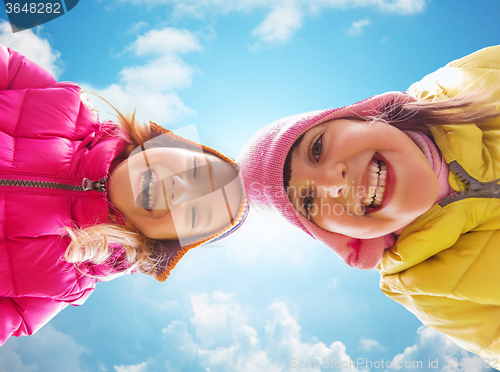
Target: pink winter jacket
x=48 y=135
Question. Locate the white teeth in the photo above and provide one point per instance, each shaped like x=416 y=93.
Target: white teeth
x=367 y=200
x=152 y=190
x=141 y=186
x=377 y=175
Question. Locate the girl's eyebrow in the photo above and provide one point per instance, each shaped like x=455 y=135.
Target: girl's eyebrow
x=210 y=172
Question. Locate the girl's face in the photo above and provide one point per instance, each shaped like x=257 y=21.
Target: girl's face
x=173 y=193
x=360 y=179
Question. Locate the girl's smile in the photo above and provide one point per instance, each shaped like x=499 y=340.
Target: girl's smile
x=148 y=189
x=379 y=196
x=360 y=179
x=377 y=175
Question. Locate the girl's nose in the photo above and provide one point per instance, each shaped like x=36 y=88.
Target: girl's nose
x=334 y=180
x=184 y=188
x=176 y=193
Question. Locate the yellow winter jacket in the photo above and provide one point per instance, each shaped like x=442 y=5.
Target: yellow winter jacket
x=445 y=266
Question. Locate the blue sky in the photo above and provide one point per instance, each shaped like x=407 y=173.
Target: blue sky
x=267 y=294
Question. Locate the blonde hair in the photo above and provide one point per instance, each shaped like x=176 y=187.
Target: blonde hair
x=470 y=107
x=95 y=244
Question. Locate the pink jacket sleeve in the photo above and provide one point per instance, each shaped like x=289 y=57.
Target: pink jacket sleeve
x=18 y=72
x=23 y=316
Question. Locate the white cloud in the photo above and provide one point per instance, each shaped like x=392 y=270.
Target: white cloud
x=368 y=345
x=401 y=6
x=280 y=344
x=220 y=337
x=167 y=41
x=433 y=346
x=215 y=317
x=162 y=107
x=284 y=18
x=279 y=25
x=135 y=368
x=405 y=7
x=136 y=27
x=224 y=336
x=160 y=75
x=11 y=359
x=152 y=87
x=201 y=8
x=284 y=342
x=358 y=26
x=32 y=46
x=52 y=350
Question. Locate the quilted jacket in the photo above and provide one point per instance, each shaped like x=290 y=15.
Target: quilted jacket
x=51 y=145
x=444 y=267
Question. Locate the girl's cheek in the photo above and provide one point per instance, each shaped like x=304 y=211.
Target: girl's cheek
x=181 y=220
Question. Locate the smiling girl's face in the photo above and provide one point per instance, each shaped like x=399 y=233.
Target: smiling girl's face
x=360 y=179
x=175 y=193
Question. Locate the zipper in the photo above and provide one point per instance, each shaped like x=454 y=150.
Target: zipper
x=87 y=185
x=473 y=188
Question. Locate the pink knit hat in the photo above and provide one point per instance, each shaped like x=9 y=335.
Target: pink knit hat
x=261 y=165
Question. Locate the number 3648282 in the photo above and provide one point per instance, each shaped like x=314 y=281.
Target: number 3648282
x=33 y=8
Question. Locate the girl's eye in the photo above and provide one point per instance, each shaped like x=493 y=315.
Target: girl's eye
x=317 y=147
x=195 y=168
x=193 y=217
